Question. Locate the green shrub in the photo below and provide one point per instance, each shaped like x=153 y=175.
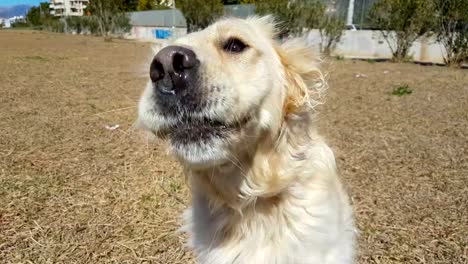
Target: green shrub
x=331 y=31
x=452 y=30
x=120 y=24
x=401 y=23
x=294 y=16
x=19 y=25
x=90 y=25
x=200 y=13
x=402 y=90
x=54 y=25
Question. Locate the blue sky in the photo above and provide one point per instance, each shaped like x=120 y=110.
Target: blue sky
x=20 y=2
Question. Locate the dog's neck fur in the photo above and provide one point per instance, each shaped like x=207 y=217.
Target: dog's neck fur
x=257 y=180
x=281 y=203
x=262 y=171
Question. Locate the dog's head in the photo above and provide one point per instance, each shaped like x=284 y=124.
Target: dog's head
x=216 y=92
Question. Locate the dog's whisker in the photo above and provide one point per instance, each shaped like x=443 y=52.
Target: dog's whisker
x=238 y=165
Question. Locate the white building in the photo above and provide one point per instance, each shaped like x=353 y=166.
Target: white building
x=7 y=22
x=68 y=7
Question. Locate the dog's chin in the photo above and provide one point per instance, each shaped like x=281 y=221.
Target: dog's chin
x=200 y=144
x=198 y=155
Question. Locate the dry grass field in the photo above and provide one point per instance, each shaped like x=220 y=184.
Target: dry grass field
x=74 y=191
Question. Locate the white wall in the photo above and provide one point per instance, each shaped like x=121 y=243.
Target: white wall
x=369 y=44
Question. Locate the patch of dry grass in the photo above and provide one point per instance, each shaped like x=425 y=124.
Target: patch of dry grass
x=72 y=191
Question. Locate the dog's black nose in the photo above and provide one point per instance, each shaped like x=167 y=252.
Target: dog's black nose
x=173 y=68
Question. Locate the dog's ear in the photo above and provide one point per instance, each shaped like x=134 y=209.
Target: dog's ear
x=305 y=83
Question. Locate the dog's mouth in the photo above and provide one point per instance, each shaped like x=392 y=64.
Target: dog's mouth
x=199 y=130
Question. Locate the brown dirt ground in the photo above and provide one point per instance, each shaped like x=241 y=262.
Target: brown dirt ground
x=72 y=191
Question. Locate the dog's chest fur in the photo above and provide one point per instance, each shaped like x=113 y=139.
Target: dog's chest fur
x=310 y=224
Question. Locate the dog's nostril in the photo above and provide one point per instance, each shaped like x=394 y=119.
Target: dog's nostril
x=178 y=62
x=156 y=71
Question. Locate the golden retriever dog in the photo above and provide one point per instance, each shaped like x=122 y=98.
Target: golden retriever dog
x=237 y=109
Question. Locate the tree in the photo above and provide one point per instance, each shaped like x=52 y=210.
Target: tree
x=37 y=15
x=129 y=5
x=109 y=16
x=293 y=15
x=401 y=23
x=451 y=28
x=54 y=25
x=145 y=5
x=44 y=10
x=200 y=13
x=331 y=30
x=75 y=23
x=34 y=16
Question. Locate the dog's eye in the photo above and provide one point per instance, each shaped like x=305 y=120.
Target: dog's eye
x=234 y=45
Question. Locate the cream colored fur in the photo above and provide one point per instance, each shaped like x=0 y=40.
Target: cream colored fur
x=270 y=193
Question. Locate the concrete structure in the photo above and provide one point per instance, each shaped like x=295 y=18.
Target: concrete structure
x=62 y=8
x=156 y=25
x=369 y=44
